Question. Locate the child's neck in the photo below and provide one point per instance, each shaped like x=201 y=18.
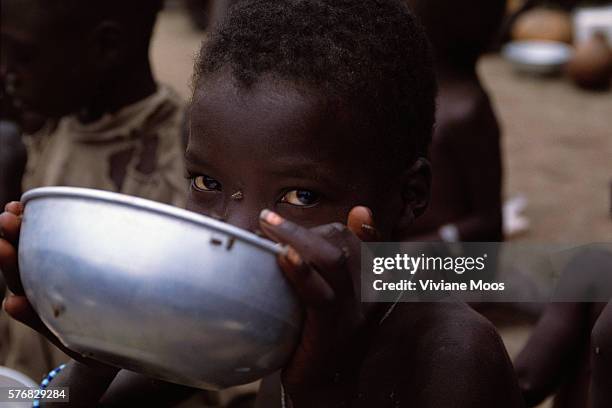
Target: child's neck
x=129 y=85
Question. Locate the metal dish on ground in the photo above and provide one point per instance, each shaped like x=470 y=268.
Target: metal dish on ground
x=538 y=57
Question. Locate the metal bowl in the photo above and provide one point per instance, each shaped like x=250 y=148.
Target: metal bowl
x=538 y=57
x=156 y=289
x=10 y=378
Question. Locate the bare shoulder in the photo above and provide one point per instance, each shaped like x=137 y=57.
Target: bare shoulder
x=445 y=325
x=465 y=110
x=449 y=345
x=445 y=332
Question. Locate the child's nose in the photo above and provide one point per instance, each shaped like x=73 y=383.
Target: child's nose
x=245 y=217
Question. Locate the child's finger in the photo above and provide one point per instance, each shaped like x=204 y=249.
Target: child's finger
x=315 y=250
x=20 y=309
x=8 y=266
x=308 y=244
x=361 y=223
x=311 y=288
x=15 y=207
x=9 y=227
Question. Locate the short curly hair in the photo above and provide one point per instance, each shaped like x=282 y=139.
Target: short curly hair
x=370 y=56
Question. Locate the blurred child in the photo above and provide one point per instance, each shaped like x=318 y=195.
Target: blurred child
x=320 y=112
x=465 y=151
x=12 y=162
x=85 y=66
x=88 y=63
x=569 y=352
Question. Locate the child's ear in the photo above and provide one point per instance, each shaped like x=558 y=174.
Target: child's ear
x=416 y=189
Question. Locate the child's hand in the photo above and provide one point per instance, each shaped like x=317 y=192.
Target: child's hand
x=323 y=266
x=17 y=305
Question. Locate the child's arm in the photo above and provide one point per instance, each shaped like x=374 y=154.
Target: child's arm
x=475 y=141
x=114 y=388
x=466 y=197
x=85 y=386
x=135 y=390
x=552 y=349
x=556 y=345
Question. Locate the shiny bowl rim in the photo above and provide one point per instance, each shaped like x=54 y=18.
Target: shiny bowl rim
x=153 y=207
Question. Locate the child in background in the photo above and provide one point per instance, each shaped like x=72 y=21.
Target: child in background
x=88 y=64
x=465 y=151
x=85 y=66
x=319 y=113
x=568 y=354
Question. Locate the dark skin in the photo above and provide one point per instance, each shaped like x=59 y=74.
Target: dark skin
x=465 y=150
x=466 y=158
x=297 y=158
x=58 y=64
x=568 y=353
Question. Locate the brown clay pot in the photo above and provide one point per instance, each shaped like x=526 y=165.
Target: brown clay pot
x=591 y=66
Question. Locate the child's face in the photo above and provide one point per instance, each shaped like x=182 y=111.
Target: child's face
x=274 y=147
x=42 y=59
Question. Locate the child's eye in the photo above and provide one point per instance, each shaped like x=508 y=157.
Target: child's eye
x=301 y=198
x=205 y=183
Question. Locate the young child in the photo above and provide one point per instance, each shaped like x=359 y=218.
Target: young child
x=85 y=66
x=319 y=113
x=465 y=150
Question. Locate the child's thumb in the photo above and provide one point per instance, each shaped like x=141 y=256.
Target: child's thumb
x=361 y=223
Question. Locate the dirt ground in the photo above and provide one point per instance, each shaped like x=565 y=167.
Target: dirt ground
x=557 y=143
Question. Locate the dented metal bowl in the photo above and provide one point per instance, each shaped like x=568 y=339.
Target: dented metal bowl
x=156 y=289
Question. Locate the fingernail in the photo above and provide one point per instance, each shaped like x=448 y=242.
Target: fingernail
x=368 y=229
x=368 y=211
x=293 y=257
x=270 y=217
